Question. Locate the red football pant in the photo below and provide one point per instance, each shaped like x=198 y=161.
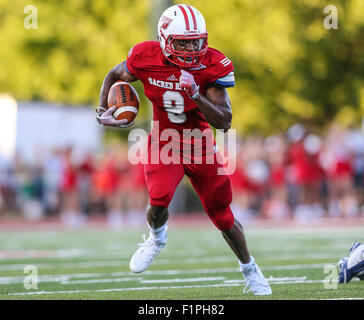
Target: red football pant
x=214 y=190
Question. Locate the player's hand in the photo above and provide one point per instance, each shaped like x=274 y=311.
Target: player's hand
x=187 y=82
x=106 y=118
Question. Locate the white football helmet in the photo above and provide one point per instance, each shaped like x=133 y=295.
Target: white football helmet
x=182 y=22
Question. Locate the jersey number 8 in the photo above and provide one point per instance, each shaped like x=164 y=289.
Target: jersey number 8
x=174 y=104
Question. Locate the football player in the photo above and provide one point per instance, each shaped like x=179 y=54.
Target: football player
x=353 y=265
x=186 y=82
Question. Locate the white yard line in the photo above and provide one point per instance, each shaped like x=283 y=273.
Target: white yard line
x=68 y=277
x=20 y=252
x=123 y=289
x=61 y=265
x=107 y=280
x=230 y=283
x=296 y=267
x=271 y=279
x=141 y=280
x=160 y=261
x=111 y=251
x=183 y=280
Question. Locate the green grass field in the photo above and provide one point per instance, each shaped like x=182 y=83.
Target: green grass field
x=196 y=264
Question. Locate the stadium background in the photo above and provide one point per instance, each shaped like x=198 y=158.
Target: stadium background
x=297 y=106
x=72 y=207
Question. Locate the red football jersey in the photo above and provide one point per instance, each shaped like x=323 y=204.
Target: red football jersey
x=172 y=108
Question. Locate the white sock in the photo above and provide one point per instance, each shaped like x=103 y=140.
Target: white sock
x=244 y=266
x=159 y=234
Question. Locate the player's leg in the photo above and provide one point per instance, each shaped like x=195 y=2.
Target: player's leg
x=157 y=216
x=236 y=240
x=255 y=279
x=215 y=193
x=162 y=181
x=216 y=199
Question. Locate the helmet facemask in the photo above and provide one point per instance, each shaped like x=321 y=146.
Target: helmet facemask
x=186 y=59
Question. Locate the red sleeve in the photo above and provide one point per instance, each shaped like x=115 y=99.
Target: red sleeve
x=133 y=59
x=143 y=56
x=222 y=69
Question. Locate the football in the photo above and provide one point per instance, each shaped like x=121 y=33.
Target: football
x=125 y=98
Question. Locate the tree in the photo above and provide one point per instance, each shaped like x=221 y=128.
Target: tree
x=288 y=67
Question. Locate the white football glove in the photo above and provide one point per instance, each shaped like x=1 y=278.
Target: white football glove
x=105 y=118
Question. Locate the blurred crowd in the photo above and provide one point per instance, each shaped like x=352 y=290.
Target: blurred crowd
x=300 y=175
x=297 y=174
x=74 y=186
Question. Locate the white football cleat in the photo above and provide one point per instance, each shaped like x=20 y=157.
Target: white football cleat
x=144 y=256
x=255 y=281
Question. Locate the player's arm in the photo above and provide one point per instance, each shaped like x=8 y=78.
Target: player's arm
x=215 y=106
x=119 y=72
x=104 y=115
